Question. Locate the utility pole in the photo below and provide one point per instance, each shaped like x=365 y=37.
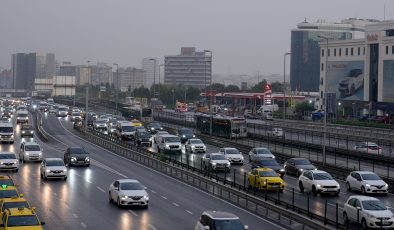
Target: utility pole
x=87 y=98
x=284 y=84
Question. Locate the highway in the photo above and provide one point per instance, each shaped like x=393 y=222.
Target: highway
x=82 y=200
x=316 y=203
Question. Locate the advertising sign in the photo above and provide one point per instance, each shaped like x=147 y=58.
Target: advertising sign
x=346 y=80
x=331 y=103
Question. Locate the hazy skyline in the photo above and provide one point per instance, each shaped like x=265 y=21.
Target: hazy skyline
x=245 y=36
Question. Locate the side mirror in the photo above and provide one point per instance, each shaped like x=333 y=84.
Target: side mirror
x=42 y=222
x=21 y=195
x=359 y=208
x=145 y=188
x=240 y=152
x=206 y=227
x=246 y=227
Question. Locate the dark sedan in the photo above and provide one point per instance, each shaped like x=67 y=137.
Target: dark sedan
x=185 y=134
x=76 y=156
x=296 y=166
x=269 y=163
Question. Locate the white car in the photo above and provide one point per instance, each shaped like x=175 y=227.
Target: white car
x=275 y=132
x=366 y=182
x=368 y=147
x=53 y=168
x=8 y=161
x=260 y=153
x=158 y=134
x=30 y=151
x=215 y=161
x=233 y=155
x=99 y=123
x=318 y=181
x=76 y=116
x=372 y=213
x=353 y=82
x=22 y=116
x=128 y=192
x=195 y=145
x=219 y=220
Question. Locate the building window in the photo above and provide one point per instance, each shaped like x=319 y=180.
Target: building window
x=335 y=52
x=322 y=52
x=340 y=51
x=363 y=50
x=328 y=52
x=322 y=66
x=358 y=51
x=346 y=52
x=392 y=49
x=387 y=49
x=351 y=51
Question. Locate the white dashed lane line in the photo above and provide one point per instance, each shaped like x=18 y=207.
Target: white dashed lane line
x=189 y=212
x=165 y=198
x=175 y=204
x=133 y=213
x=152 y=227
x=83 y=225
x=75 y=215
x=102 y=190
x=153 y=191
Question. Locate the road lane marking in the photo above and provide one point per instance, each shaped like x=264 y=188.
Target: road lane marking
x=165 y=198
x=100 y=189
x=133 y=213
x=178 y=181
x=75 y=215
x=175 y=204
x=152 y=227
x=153 y=191
x=83 y=225
x=334 y=205
x=189 y=212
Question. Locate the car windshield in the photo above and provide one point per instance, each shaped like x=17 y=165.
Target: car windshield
x=263 y=151
x=322 y=176
x=155 y=125
x=140 y=127
x=131 y=186
x=30 y=220
x=27 y=127
x=302 y=162
x=373 y=205
x=101 y=121
x=232 y=151
x=77 y=151
x=196 y=141
x=7 y=156
x=19 y=204
x=62 y=109
x=32 y=148
x=186 y=131
x=7 y=182
x=76 y=114
x=172 y=139
x=370 y=176
x=55 y=163
x=234 y=224
x=128 y=128
x=269 y=173
x=8 y=193
x=22 y=115
x=218 y=157
x=269 y=163
x=6 y=129
x=144 y=135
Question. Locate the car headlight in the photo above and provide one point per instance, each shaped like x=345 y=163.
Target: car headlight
x=47 y=170
x=12 y=136
x=73 y=159
x=228 y=164
x=167 y=146
x=386 y=185
x=1 y=162
x=27 y=154
x=242 y=157
x=87 y=159
x=146 y=197
x=370 y=215
x=318 y=185
x=184 y=136
x=15 y=162
x=213 y=163
x=40 y=153
x=194 y=136
x=301 y=170
x=23 y=132
x=368 y=185
x=123 y=197
x=64 y=170
x=281 y=170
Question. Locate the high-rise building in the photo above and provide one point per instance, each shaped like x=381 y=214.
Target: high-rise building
x=190 y=68
x=129 y=78
x=67 y=69
x=151 y=67
x=101 y=74
x=82 y=75
x=305 y=58
x=5 y=79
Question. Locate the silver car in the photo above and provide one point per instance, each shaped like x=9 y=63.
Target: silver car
x=8 y=161
x=128 y=192
x=215 y=161
x=219 y=220
x=260 y=153
x=195 y=146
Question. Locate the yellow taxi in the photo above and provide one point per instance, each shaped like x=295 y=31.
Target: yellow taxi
x=20 y=218
x=8 y=192
x=265 y=179
x=136 y=122
x=6 y=180
x=13 y=202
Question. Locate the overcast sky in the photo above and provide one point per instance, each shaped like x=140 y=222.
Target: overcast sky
x=245 y=36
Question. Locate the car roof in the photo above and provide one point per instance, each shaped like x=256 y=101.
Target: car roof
x=128 y=180
x=316 y=171
x=5 y=177
x=20 y=211
x=14 y=199
x=220 y=215
x=363 y=172
x=53 y=159
x=31 y=143
x=264 y=169
x=363 y=198
x=7 y=153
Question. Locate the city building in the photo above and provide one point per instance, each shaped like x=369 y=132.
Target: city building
x=67 y=69
x=360 y=72
x=5 y=79
x=190 y=68
x=101 y=74
x=27 y=67
x=82 y=75
x=151 y=67
x=305 y=58
x=126 y=79
x=63 y=86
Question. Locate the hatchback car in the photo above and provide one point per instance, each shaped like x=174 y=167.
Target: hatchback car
x=53 y=168
x=366 y=182
x=372 y=213
x=9 y=161
x=27 y=130
x=128 y=192
x=318 y=181
x=233 y=155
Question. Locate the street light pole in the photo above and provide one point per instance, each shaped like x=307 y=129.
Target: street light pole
x=87 y=98
x=117 y=86
x=284 y=84
x=159 y=78
x=154 y=76
x=210 y=80
x=325 y=101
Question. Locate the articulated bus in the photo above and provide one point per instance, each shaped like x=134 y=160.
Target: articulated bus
x=222 y=126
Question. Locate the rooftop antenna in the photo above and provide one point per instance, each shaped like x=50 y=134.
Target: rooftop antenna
x=305 y=20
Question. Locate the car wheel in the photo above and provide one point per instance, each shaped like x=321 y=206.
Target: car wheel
x=363 y=190
x=314 y=191
x=146 y=206
x=45 y=178
x=345 y=218
x=110 y=198
x=65 y=178
x=118 y=203
x=352 y=89
x=301 y=186
x=364 y=224
x=16 y=170
x=348 y=187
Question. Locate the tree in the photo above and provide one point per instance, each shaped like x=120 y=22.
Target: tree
x=304 y=107
x=217 y=87
x=277 y=87
x=232 y=88
x=259 y=88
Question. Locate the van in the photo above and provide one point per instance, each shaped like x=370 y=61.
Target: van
x=169 y=143
x=22 y=116
x=7 y=132
x=266 y=115
x=125 y=130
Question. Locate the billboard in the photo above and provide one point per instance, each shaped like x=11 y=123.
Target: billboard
x=388 y=81
x=346 y=80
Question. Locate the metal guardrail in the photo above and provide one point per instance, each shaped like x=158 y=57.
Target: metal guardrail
x=264 y=205
x=38 y=125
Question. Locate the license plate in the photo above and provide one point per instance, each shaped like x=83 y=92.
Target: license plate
x=275 y=186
